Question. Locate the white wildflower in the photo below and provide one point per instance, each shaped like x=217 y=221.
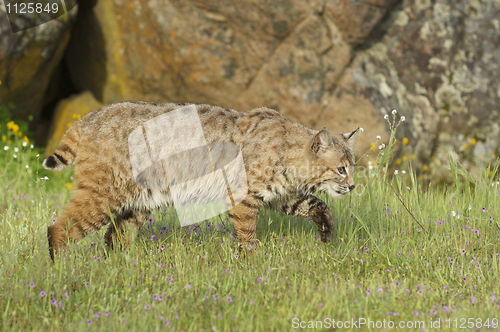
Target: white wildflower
x=453 y=213
x=15 y=156
x=27 y=166
x=361 y=129
x=470 y=207
x=379 y=138
x=6 y=148
x=407 y=187
x=31 y=146
x=38 y=155
x=24 y=144
x=16 y=149
x=404 y=172
x=386 y=116
x=46 y=177
x=403 y=119
x=396 y=172
x=394 y=112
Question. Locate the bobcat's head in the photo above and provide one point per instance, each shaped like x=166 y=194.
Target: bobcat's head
x=333 y=162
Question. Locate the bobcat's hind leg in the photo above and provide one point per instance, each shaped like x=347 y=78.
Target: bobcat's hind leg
x=314 y=208
x=85 y=213
x=115 y=235
x=244 y=217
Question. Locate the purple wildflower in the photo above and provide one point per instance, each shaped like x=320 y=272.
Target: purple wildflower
x=42 y=294
x=229 y=299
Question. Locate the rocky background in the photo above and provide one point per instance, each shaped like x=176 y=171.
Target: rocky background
x=339 y=64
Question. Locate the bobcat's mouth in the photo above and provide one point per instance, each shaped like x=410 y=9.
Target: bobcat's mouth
x=332 y=189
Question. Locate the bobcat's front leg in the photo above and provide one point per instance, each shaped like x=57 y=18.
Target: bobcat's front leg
x=311 y=207
x=244 y=217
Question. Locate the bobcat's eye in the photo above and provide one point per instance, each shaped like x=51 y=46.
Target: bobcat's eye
x=341 y=170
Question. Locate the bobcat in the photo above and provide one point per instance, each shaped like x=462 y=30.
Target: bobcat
x=284 y=163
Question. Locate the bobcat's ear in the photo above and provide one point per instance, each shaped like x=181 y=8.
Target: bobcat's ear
x=350 y=138
x=321 y=140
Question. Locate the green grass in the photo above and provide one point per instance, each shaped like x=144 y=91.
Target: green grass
x=382 y=264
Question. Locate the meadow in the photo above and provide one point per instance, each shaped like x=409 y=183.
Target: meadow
x=403 y=252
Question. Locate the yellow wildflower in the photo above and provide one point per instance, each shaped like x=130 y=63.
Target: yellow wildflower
x=68 y=185
x=77 y=116
x=10 y=142
x=69 y=124
x=465 y=146
x=15 y=128
x=421 y=177
x=493 y=154
x=4 y=138
x=438 y=163
x=10 y=124
x=26 y=139
x=412 y=157
x=404 y=158
x=426 y=168
x=398 y=162
x=372 y=146
x=405 y=140
x=473 y=141
x=489 y=173
x=20 y=134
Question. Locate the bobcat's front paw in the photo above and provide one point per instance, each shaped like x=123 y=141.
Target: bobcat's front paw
x=325 y=226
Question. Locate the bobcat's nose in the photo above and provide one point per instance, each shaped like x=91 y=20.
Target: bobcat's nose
x=351 y=188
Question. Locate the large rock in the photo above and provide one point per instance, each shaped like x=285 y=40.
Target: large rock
x=242 y=55
x=27 y=58
x=439 y=66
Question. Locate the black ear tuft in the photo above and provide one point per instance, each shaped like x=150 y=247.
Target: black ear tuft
x=351 y=137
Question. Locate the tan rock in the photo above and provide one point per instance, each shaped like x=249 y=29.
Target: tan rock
x=299 y=72
x=66 y=112
x=348 y=108
x=356 y=19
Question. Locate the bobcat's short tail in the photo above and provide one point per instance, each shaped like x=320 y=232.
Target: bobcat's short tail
x=65 y=153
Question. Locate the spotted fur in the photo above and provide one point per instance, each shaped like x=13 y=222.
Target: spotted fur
x=285 y=163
